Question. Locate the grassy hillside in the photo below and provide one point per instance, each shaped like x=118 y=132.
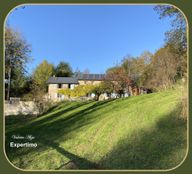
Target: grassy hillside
x=142 y=132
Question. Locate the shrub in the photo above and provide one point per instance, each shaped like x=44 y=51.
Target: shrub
x=78 y=91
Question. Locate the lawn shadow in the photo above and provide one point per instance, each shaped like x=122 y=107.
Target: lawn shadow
x=74 y=121
x=151 y=148
x=54 y=130
x=36 y=121
x=54 y=115
x=12 y=120
x=146 y=149
x=75 y=161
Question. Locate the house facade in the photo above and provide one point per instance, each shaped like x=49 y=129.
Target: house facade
x=56 y=83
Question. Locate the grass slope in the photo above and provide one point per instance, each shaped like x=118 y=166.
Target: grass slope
x=142 y=132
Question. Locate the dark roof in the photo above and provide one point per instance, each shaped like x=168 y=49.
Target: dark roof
x=62 y=80
x=90 y=76
x=74 y=80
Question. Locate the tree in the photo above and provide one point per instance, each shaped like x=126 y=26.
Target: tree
x=118 y=80
x=20 y=83
x=101 y=88
x=63 y=69
x=112 y=69
x=17 y=54
x=97 y=90
x=42 y=74
x=135 y=67
x=143 y=68
x=146 y=56
x=164 y=67
x=127 y=64
x=177 y=36
x=77 y=73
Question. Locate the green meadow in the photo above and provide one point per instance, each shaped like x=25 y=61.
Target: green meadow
x=141 y=132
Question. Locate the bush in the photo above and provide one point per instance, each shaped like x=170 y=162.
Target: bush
x=40 y=98
x=28 y=97
x=78 y=91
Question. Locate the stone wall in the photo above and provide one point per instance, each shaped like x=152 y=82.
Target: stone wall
x=21 y=107
x=92 y=82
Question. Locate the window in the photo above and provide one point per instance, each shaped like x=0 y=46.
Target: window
x=59 y=85
x=72 y=86
x=69 y=86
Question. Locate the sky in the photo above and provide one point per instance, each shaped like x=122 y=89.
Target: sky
x=93 y=37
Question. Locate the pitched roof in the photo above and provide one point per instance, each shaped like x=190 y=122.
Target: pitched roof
x=62 y=80
x=90 y=76
x=74 y=80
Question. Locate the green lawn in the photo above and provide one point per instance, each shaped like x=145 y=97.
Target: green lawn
x=142 y=132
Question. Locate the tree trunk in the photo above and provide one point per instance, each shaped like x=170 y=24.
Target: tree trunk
x=9 y=84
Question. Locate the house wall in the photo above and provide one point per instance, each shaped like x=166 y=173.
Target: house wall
x=84 y=82
x=64 y=86
x=53 y=90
